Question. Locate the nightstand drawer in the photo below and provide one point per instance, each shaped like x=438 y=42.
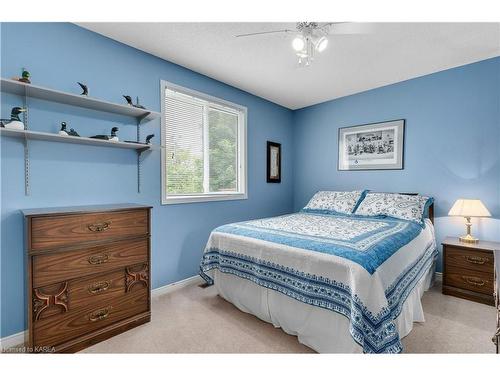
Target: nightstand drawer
x=469 y=279
x=481 y=261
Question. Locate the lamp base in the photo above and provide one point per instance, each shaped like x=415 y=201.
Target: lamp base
x=468 y=239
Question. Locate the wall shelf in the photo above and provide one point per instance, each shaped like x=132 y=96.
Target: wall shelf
x=19 y=88
x=29 y=134
x=27 y=91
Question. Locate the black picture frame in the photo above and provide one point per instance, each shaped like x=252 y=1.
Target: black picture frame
x=399 y=123
x=272 y=176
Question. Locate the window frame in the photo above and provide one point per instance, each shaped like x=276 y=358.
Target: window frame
x=242 y=182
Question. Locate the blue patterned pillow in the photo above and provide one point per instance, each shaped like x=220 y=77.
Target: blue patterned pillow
x=343 y=202
x=399 y=206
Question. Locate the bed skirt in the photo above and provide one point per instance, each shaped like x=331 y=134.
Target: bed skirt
x=320 y=329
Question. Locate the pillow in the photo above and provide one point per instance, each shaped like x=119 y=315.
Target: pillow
x=399 y=206
x=343 y=202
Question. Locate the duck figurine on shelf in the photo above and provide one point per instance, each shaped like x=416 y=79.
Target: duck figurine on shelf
x=73 y=133
x=63 y=130
x=25 y=77
x=113 y=137
x=14 y=122
x=148 y=140
x=84 y=88
x=130 y=102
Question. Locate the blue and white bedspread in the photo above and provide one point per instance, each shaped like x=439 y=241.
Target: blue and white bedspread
x=357 y=267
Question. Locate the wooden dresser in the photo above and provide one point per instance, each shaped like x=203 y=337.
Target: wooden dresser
x=88 y=274
x=468 y=270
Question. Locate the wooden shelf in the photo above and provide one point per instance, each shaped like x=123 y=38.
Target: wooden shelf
x=33 y=91
x=29 y=134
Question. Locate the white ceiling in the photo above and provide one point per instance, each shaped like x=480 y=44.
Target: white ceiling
x=266 y=65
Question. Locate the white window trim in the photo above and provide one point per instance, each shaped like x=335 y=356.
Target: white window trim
x=242 y=152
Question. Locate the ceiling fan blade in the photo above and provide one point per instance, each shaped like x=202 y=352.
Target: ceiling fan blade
x=350 y=28
x=264 y=32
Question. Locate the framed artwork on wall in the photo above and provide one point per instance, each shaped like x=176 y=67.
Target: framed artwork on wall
x=273 y=162
x=372 y=146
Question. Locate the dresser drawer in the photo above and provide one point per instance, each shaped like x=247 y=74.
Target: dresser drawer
x=469 y=279
x=481 y=261
x=66 y=265
x=60 y=328
x=63 y=230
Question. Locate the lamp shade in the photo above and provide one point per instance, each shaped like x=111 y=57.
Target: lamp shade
x=469 y=208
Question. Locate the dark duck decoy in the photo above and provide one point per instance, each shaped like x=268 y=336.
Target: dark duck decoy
x=73 y=133
x=14 y=122
x=130 y=102
x=63 y=130
x=84 y=88
x=113 y=137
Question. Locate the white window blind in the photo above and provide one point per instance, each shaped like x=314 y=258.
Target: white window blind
x=203 y=147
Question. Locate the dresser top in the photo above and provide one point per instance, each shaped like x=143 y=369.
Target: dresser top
x=481 y=245
x=81 y=209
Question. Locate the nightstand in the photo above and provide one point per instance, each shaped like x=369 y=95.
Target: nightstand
x=468 y=270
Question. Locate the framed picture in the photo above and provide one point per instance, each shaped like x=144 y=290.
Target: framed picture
x=372 y=146
x=273 y=162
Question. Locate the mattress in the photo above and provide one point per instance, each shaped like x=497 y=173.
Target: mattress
x=361 y=277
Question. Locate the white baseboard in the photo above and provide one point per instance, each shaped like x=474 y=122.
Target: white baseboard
x=13 y=340
x=18 y=338
x=177 y=285
x=439 y=276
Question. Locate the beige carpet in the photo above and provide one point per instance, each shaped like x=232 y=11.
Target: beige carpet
x=196 y=320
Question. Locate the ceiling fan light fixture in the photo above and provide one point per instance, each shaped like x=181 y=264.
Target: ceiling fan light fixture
x=298 y=43
x=321 y=44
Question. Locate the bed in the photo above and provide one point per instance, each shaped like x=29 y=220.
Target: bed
x=340 y=283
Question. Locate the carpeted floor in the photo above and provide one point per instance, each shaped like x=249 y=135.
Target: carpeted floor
x=196 y=320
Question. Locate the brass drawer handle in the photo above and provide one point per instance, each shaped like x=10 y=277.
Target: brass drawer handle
x=99 y=227
x=475 y=259
x=99 y=314
x=98 y=287
x=98 y=259
x=476 y=281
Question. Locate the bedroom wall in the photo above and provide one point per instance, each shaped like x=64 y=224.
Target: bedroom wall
x=452 y=146
x=58 y=55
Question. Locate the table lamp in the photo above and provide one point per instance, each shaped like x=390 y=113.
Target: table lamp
x=469 y=208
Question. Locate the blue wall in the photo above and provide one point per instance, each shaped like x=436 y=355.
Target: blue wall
x=452 y=146
x=58 y=55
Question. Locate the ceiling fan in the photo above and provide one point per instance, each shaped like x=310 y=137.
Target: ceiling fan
x=312 y=37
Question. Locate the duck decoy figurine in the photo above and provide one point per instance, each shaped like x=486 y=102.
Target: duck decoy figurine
x=84 y=88
x=114 y=137
x=73 y=133
x=148 y=139
x=14 y=122
x=63 y=130
x=25 y=76
x=130 y=102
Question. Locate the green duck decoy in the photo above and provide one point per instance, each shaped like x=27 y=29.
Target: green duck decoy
x=25 y=76
x=14 y=122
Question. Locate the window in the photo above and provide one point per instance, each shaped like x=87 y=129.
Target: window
x=203 y=147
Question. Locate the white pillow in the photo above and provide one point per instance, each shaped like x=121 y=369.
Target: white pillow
x=343 y=202
x=399 y=206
